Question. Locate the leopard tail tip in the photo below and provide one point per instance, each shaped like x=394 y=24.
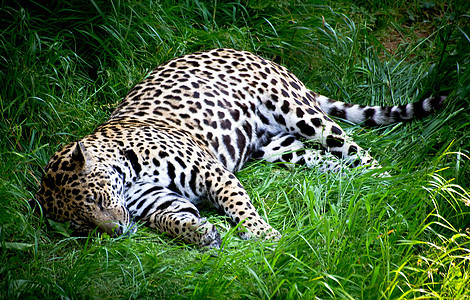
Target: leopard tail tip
x=434 y=103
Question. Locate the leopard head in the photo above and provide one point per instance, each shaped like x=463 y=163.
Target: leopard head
x=80 y=188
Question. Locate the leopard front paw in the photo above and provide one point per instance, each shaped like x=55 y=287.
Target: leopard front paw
x=267 y=233
x=205 y=234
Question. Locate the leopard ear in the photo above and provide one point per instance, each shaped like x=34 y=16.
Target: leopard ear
x=79 y=153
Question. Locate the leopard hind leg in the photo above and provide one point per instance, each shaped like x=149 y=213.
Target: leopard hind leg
x=303 y=118
x=287 y=150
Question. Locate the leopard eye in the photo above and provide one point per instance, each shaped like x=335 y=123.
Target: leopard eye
x=89 y=199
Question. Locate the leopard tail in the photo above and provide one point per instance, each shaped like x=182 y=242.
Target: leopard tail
x=379 y=115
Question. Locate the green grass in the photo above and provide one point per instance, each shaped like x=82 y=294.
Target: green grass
x=65 y=66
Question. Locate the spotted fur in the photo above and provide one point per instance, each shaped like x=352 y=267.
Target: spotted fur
x=179 y=136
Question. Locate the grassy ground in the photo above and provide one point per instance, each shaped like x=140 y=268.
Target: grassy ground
x=64 y=66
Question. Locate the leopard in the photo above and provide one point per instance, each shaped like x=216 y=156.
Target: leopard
x=180 y=135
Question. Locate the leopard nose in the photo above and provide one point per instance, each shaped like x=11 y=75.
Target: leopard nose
x=125 y=229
